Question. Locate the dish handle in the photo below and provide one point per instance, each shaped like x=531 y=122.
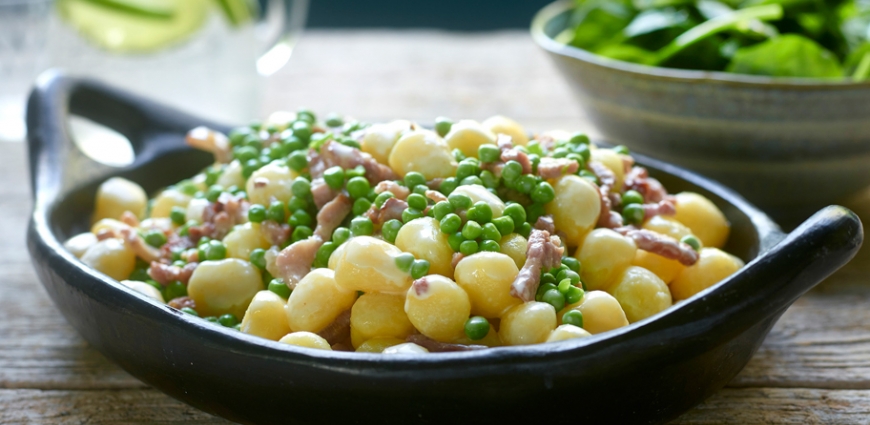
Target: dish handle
x=56 y=163
x=776 y=279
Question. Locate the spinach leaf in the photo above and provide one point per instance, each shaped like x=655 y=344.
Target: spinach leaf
x=790 y=55
x=628 y=53
x=600 y=22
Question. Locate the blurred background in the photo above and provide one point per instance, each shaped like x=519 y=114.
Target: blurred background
x=459 y=15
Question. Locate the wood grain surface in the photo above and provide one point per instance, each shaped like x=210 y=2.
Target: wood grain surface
x=814 y=367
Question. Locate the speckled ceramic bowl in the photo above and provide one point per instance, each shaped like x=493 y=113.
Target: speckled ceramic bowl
x=788 y=145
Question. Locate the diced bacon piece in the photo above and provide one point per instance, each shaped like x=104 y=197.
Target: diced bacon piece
x=391 y=209
x=275 y=233
x=441 y=347
x=545 y=222
x=338 y=331
x=144 y=251
x=551 y=168
x=331 y=216
x=660 y=244
x=544 y=251
x=396 y=189
x=334 y=153
x=182 y=302
x=165 y=274
x=321 y=192
x=294 y=262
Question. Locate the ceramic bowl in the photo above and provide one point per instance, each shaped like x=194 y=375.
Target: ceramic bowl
x=788 y=145
x=647 y=372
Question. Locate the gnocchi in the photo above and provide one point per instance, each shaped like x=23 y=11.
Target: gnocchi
x=394 y=239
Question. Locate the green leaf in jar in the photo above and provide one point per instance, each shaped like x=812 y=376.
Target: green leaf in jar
x=238 y=12
x=134 y=26
x=789 y=55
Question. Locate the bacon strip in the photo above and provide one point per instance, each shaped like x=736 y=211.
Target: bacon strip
x=334 y=153
x=665 y=207
x=294 y=262
x=441 y=347
x=182 y=302
x=165 y=274
x=435 y=196
x=144 y=251
x=652 y=190
x=337 y=331
x=331 y=216
x=321 y=192
x=660 y=244
x=606 y=179
x=544 y=251
x=551 y=168
x=396 y=189
x=274 y=232
x=545 y=222
x=509 y=153
x=391 y=209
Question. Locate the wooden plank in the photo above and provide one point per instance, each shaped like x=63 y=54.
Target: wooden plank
x=97 y=407
x=781 y=406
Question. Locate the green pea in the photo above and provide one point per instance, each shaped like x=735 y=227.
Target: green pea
x=526 y=183
x=466 y=168
x=300 y=218
x=504 y=224
x=459 y=201
x=490 y=232
x=276 y=212
x=578 y=139
x=516 y=213
x=245 y=153
x=512 y=171
x=455 y=240
x=280 y=288
x=214 y=192
x=542 y=289
x=633 y=214
x=340 y=235
x=448 y=185
x=632 y=197
x=481 y=212
x=237 y=135
x=250 y=166
x=471 y=180
x=458 y=155
x=586 y=174
x=583 y=151
x=692 y=241
x=574 y=294
x=185 y=229
x=301 y=187
x=178 y=215
x=468 y=248
x=570 y=275
x=155 y=238
x=487 y=179
x=404 y=261
x=361 y=205
x=258 y=258
x=472 y=230
x=543 y=193
x=413 y=179
x=300 y=233
x=216 y=250
x=554 y=298
x=563 y=286
x=491 y=246
x=581 y=163
x=297 y=160
x=382 y=197
x=572 y=263
x=488 y=153
x=334 y=120
x=390 y=229
x=525 y=230
x=419 y=269
x=450 y=223
x=294 y=144
x=211 y=175
x=420 y=189
x=228 y=320
x=257 y=213
x=302 y=130
x=417 y=201
x=443 y=125
x=441 y=209
x=573 y=317
x=358 y=187
x=361 y=226
x=297 y=203
x=321 y=258
x=411 y=214
x=190 y=311
x=534 y=211
x=140 y=275
x=174 y=290
x=357 y=171
x=548 y=278
x=621 y=149
x=334 y=177
x=476 y=328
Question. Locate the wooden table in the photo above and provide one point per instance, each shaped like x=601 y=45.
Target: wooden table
x=814 y=366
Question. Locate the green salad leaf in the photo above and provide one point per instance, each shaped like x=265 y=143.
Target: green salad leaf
x=790 y=55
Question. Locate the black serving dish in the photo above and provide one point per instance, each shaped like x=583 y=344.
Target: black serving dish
x=648 y=372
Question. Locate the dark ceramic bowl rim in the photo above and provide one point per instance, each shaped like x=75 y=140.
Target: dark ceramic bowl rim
x=769 y=235
x=553 y=10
